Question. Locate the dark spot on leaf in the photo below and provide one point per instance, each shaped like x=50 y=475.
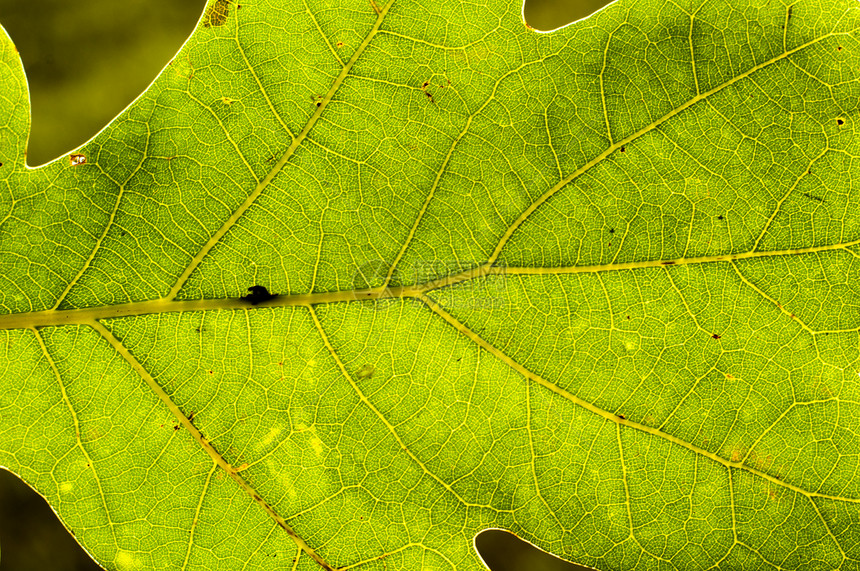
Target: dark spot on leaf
x=1 y=164
x=217 y=13
x=790 y=8
x=339 y=45
x=259 y=294
x=721 y=217
x=77 y=160
x=839 y=48
x=258 y=498
x=612 y=230
x=668 y=262
x=715 y=336
x=628 y=317
x=621 y=416
x=838 y=122
x=319 y=103
x=191 y=416
x=813 y=197
x=175 y=427
x=623 y=149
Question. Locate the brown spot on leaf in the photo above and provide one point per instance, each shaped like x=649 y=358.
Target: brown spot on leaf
x=77 y=159
x=217 y=13
x=365 y=372
x=715 y=336
x=838 y=122
x=339 y=45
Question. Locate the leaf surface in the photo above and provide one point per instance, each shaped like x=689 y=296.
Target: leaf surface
x=598 y=287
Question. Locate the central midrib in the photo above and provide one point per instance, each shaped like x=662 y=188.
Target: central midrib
x=51 y=317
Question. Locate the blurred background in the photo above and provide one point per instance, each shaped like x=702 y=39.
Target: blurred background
x=85 y=62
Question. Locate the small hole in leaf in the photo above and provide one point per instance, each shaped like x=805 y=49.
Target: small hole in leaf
x=258 y=294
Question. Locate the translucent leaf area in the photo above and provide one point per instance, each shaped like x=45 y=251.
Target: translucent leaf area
x=597 y=287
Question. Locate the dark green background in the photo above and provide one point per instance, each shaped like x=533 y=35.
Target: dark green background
x=86 y=61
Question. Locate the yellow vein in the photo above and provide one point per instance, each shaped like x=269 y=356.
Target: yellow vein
x=624 y=478
x=537 y=485
x=320 y=30
x=441 y=171
x=216 y=457
x=97 y=246
x=775 y=303
x=829 y=531
x=603 y=86
x=80 y=445
x=259 y=83
x=196 y=519
x=526 y=373
x=790 y=191
x=643 y=131
x=297 y=141
x=363 y=398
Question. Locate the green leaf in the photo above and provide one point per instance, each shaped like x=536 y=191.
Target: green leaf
x=598 y=287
